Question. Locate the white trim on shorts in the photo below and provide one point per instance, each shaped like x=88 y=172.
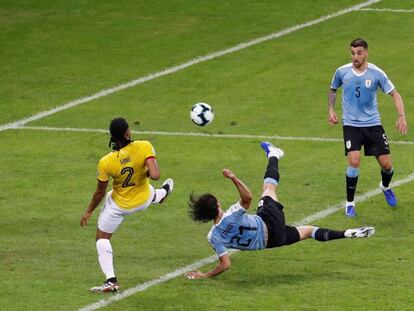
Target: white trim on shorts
x=112 y=215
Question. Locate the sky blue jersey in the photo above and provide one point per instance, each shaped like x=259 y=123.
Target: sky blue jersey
x=237 y=230
x=359 y=94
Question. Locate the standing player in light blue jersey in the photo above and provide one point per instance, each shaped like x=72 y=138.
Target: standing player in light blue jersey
x=361 y=121
x=236 y=229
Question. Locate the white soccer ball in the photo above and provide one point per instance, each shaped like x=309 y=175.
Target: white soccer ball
x=202 y=114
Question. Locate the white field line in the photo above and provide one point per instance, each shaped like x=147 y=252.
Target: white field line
x=183 y=134
x=174 y=69
x=389 y=10
x=317 y=216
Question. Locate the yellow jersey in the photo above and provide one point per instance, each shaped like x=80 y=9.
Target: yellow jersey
x=127 y=168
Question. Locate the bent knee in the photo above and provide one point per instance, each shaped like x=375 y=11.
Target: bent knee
x=354 y=162
x=269 y=190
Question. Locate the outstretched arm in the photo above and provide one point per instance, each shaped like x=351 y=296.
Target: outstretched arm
x=401 y=123
x=223 y=266
x=332 y=118
x=96 y=200
x=244 y=191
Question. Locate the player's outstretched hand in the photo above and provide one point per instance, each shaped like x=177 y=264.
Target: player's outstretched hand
x=84 y=219
x=194 y=275
x=227 y=173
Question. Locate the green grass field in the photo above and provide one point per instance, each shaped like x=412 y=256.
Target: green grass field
x=53 y=53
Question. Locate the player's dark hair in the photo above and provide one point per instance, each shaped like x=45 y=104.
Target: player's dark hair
x=203 y=208
x=118 y=128
x=359 y=42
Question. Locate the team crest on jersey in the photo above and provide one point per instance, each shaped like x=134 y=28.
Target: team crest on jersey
x=348 y=144
x=368 y=83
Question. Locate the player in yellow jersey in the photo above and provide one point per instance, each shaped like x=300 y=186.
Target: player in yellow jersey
x=130 y=165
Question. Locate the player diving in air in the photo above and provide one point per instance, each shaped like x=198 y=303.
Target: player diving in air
x=236 y=229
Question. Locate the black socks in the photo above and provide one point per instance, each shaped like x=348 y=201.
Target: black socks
x=386 y=177
x=272 y=169
x=323 y=235
x=351 y=183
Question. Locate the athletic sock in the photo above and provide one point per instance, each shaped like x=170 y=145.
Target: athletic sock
x=351 y=183
x=272 y=171
x=160 y=194
x=323 y=235
x=386 y=177
x=105 y=257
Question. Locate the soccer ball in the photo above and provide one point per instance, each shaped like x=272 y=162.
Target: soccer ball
x=202 y=114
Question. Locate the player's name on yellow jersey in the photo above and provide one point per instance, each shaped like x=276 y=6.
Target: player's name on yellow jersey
x=127 y=168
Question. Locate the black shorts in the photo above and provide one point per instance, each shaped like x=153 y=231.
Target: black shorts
x=373 y=139
x=279 y=234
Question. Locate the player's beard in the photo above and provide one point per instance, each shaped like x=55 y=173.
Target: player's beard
x=358 y=64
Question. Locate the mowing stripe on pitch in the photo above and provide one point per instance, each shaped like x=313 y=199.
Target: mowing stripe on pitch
x=174 y=69
x=213 y=135
x=317 y=216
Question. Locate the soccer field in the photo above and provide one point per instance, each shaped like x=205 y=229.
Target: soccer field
x=69 y=67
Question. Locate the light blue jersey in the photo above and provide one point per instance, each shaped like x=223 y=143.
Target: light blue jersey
x=359 y=94
x=237 y=230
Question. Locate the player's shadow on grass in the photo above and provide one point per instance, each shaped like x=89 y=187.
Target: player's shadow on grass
x=275 y=278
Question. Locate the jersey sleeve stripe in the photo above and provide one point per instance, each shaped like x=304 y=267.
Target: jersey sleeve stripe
x=392 y=87
x=222 y=254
